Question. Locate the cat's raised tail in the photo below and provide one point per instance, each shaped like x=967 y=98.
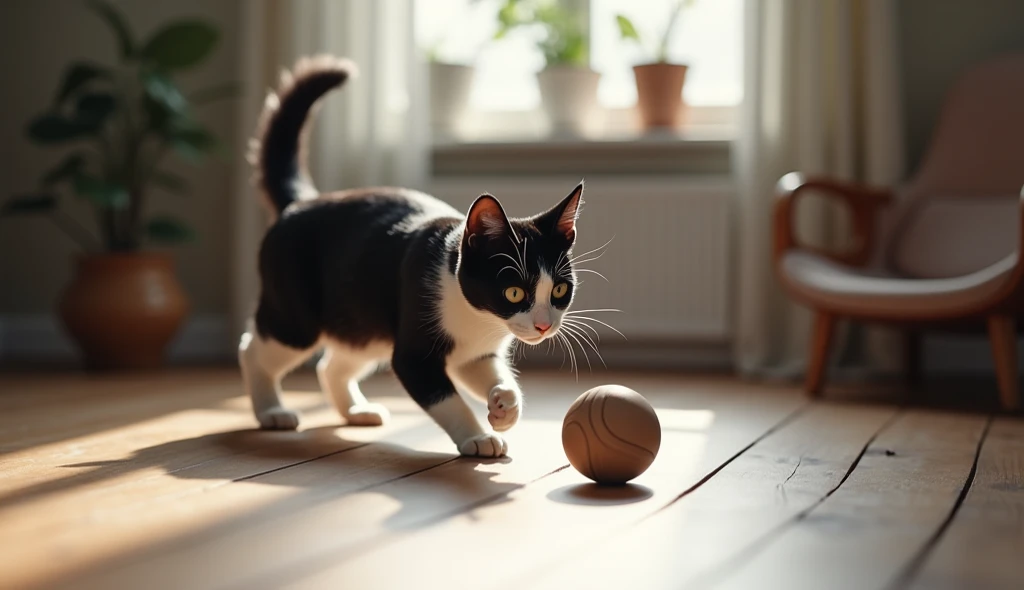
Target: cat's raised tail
x=277 y=152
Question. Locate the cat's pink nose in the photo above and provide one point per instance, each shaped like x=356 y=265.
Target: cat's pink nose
x=543 y=327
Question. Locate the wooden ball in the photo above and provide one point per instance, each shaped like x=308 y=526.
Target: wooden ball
x=611 y=434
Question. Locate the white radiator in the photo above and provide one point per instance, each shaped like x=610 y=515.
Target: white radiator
x=668 y=264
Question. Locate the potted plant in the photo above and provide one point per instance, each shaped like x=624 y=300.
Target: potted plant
x=115 y=126
x=451 y=80
x=659 y=85
x=568 y=87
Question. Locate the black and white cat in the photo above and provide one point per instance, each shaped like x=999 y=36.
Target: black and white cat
x=387 y=274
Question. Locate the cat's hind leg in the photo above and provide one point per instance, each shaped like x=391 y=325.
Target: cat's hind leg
x=340 y=370
x=264 y=361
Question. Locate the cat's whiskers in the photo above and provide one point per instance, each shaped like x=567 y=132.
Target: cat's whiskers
x=513 y=268
x=582 y=349
x=580 y=324
x=609 y=326
x=573 y=366
x=577 y=261
x=593 y=272
x=586 y=338
x=601 y=247
x=517 y=268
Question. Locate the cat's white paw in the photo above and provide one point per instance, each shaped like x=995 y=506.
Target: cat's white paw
x=278 y=418
x=503 y=405
x=484 y=445
x=367 y=415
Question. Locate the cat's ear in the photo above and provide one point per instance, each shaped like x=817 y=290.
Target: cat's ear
x=561 y=219
x=486 y=220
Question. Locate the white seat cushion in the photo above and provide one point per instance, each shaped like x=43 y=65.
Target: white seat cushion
x=823 y=283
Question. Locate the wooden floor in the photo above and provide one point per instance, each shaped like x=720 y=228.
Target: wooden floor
x=161 y=482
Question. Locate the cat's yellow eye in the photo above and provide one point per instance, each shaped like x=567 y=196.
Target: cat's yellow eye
x=560 y=290
x=514 y=294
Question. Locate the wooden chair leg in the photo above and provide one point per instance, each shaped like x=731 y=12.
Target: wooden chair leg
x=821 y=345
x=1002 y=333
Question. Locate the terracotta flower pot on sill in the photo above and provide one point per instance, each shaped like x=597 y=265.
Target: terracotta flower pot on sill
x=659 y=89
x=122 y=310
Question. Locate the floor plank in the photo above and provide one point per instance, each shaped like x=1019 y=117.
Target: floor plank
x=781 y=476
x=559 y=512
x=984 y=545
x=871 y=528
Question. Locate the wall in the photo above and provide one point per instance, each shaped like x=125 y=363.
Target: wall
x=39 y=38
x=940 y=39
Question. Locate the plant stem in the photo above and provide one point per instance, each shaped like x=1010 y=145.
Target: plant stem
x=663 y=47
x=75 y=231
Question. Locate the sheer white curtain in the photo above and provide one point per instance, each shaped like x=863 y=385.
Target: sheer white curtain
x=375 y=131
x=821 y=96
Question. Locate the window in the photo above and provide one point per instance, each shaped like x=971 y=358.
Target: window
x=504 y=101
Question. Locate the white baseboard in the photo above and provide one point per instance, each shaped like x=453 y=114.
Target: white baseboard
x=40 y=338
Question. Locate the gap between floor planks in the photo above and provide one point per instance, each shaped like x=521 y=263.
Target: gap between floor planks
x=866 y=533
x=983 y=546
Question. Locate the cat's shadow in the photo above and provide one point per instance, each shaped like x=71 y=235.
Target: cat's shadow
x=319 y=471
x=320 y=464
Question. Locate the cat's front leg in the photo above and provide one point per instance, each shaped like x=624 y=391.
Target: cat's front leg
x=424 y=377
x=491 y=380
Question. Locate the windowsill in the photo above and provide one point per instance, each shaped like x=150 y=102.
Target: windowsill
x=681 y=153
x=517 y=143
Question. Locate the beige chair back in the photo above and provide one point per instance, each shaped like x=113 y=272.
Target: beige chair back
x=959 y=213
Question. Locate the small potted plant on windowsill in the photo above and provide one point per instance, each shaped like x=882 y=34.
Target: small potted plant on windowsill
x=568 y=86
x=124 y=304
x=659 y=85
x=451 y=80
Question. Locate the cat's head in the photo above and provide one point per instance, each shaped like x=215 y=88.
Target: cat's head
x=520 y=270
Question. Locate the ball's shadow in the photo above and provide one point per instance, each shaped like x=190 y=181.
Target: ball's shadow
x=592 y=494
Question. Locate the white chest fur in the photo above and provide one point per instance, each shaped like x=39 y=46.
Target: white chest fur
x=474 y=333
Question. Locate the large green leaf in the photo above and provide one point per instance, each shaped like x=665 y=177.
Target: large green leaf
x=164 y=91
x=626 y=28
x=76 y=77
x=181 y=45
x=53 y=128
x=117 y=22
x=168 y=230
x=170 y=182
x=104 y=194
x=70 y=167
x=34 y=203
x=94 y=108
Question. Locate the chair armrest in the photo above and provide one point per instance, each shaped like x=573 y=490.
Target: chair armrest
x=863 y=202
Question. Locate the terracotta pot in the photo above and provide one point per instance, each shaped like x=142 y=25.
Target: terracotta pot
x=659 y=89
x=123 y=309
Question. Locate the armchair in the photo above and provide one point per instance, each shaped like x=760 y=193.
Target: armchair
x=951 y=257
